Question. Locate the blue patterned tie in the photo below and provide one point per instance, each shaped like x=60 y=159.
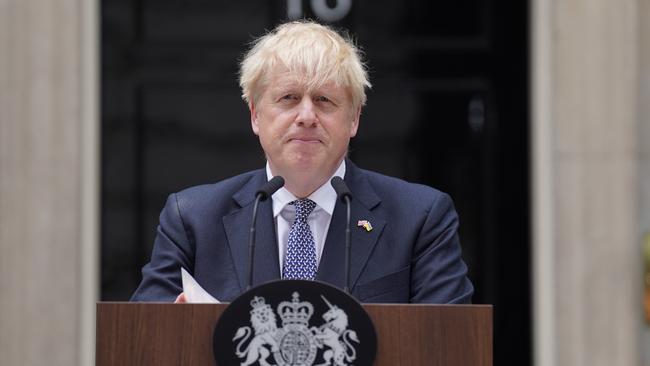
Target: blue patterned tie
x=300 y=261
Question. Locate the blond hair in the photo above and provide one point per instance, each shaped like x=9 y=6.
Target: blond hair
x=314 y=52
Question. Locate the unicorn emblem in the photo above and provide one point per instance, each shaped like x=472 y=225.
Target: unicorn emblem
x=335 y=336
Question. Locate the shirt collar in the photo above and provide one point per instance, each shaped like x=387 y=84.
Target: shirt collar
x=324 y=196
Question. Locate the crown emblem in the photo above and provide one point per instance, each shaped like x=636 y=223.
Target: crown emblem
x=295 y=312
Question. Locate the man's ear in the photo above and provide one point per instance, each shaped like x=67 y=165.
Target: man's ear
x=354 y=126
x=254 y=118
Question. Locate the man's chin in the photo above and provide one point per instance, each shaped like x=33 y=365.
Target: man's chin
x=308 y=164
x=305 y=166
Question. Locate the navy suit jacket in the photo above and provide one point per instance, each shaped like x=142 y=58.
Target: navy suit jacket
x=412 y=254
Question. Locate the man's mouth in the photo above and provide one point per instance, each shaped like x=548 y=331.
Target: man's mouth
x=306 y=140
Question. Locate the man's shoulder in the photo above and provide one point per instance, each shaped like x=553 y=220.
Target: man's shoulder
x=385 y=182
x=221 y=191
x=392 y=188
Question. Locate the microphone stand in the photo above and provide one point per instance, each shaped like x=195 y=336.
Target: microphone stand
x=262 y=194
x=347 y=246
x=251 y=242
x=343 y=193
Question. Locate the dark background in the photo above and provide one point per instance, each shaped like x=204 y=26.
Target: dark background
x=448 y=108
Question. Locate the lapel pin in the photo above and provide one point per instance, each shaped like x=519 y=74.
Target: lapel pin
x=364 y=224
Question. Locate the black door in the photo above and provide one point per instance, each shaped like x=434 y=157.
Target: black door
x=448 y=109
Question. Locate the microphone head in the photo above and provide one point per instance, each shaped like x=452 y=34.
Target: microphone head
x=270 y=187
x=341 y=188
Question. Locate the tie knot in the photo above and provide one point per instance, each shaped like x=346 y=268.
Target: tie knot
x=304 y=207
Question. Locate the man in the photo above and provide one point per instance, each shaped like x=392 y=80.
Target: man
x=305 y=86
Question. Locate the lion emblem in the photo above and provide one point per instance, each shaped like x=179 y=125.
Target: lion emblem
x=264 y=324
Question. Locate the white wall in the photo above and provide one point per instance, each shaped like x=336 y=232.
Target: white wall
x=48 y=181
x=586 y=181
x=644 y=145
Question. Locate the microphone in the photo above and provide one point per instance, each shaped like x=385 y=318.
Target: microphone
x=270 y=187
x=341 y=189
x=262 y=194
x=343 y=194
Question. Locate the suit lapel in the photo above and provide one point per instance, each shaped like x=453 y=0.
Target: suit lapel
x=237 y=225
x=332 y=264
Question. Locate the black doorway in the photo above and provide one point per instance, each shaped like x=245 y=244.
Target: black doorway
x=449 y=108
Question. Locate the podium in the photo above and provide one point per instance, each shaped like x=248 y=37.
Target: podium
x=181 y=334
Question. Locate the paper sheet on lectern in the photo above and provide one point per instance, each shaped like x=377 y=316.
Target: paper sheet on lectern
x=194 y=293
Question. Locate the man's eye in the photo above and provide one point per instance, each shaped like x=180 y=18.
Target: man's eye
x=288 y=97
x=322 y=98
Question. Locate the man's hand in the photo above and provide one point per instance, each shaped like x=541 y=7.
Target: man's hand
x=181 y=299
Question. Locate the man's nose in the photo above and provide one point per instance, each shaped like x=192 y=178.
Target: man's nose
x=306 y=112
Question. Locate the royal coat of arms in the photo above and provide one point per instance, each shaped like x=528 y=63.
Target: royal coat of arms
x=295 y=343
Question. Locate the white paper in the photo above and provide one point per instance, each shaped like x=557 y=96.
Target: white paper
x=194 y=293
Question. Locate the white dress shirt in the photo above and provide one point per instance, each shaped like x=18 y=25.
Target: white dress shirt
x=319 y=220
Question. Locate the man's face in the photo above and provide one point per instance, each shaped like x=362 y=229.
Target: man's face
x=304 y=133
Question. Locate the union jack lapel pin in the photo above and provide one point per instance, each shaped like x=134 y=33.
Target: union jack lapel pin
x=364 y=224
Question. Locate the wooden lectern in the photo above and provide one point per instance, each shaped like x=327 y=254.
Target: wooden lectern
x=173 y=334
